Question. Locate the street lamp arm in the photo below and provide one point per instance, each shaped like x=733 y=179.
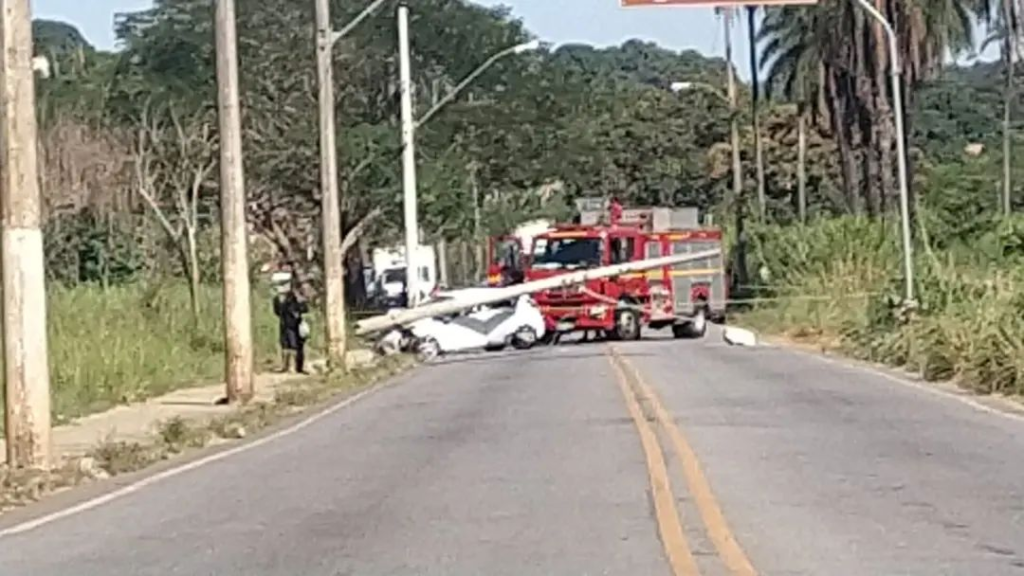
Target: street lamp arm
x=366 y=13
x=454 y=92
x=890 y=33
x=683 y=86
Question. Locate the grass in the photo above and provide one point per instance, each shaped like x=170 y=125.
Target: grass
x=969 y=327
x=126 y=343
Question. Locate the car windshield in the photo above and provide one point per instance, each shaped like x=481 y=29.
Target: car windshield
x=395 y=275
x=506 y=252
x=567 y=253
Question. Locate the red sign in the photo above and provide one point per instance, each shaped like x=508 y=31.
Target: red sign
x=710 y=3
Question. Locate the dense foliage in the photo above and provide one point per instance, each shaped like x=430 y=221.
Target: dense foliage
x=129 y=141
x=533 y=132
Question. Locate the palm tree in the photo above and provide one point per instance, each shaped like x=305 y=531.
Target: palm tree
x=794 y=70
x=755 y=86
x=1006 y=29
x=834 y=48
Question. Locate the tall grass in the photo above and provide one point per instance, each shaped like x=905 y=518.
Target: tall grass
x=127 y=343
x=838 y=283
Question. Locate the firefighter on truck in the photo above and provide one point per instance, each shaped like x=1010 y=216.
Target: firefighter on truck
x=683 y=297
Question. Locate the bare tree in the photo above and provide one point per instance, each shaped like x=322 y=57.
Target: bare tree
x=173 y=161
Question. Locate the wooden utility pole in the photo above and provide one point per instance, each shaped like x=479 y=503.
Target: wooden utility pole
x=234 y=252
x=330 y=204
x=26 y=360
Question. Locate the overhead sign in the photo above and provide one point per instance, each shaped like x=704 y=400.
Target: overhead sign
x=711 y=3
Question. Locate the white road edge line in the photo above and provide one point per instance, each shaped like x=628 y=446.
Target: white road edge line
x=170 y=473
x=925 y=387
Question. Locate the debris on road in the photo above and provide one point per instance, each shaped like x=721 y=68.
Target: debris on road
x=739 y=336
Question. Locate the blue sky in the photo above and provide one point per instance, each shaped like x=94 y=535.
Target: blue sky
x=600 y=22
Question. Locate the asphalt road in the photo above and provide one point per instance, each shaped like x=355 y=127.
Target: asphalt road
x=771 y=461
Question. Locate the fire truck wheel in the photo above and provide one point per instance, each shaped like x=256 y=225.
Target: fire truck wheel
x=627 y=325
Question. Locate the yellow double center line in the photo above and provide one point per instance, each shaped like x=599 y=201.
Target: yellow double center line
x=636 y=391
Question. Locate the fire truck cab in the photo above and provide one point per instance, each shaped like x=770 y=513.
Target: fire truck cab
x=682 y=297
x=508 y=255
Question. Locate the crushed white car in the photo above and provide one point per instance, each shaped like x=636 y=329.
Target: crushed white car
x=519 y=324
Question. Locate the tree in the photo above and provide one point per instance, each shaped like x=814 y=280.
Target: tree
x=853 y=75
x=1006 y=19
x=173 y=160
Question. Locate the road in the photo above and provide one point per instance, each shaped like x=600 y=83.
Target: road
x=659 y=457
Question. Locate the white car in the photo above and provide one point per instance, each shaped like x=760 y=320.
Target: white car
x=519 y=324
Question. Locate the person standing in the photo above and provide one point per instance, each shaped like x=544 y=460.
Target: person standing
x=289 y=307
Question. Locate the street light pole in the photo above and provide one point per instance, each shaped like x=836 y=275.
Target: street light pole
x=409 y=126
x=897 y=98
x=412 y=240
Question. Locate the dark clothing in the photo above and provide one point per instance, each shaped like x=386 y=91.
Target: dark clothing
x=289 y=310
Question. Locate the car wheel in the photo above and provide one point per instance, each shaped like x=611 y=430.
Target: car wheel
x=697 y=327
x=428 y=349
x=627 y=325
x=524 y=338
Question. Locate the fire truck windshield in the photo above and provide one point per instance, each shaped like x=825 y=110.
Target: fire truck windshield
x=567 y=253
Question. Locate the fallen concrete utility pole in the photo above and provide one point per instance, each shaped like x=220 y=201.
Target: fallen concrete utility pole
x=404 y=317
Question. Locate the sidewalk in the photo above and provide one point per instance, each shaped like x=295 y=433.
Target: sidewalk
x=139 y=422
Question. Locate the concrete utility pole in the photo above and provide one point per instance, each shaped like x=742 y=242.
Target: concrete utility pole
x=734 y=126
x=478 y=240
x=737 y=168
x=234 y=251
x=762 y=198
x=26 y=367
x=408 y=160
x=330 y=204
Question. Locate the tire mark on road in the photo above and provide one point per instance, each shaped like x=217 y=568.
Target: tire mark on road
x=670 y=528
x=729 y=550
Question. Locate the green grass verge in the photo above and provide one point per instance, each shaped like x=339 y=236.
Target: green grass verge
x=124 y=344
x=837 y=285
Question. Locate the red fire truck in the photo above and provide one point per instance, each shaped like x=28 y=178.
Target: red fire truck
x=683 y=297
